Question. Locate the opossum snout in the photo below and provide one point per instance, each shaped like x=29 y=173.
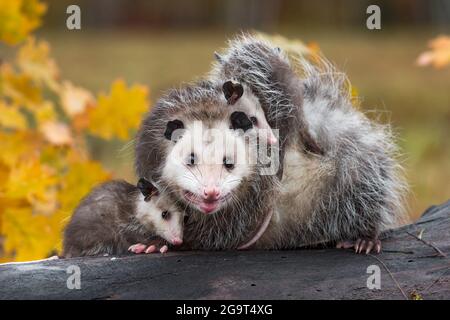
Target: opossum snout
x=176 y=241
x=211 y=193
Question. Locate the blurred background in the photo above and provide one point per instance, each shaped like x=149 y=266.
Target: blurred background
x=164 y=43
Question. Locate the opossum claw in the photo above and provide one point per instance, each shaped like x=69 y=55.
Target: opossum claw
x=357 y=244
x=361 y=245
x=369 y=246
x=378 y=246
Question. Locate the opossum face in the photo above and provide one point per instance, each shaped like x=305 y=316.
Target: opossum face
x=206 y=165
x=240 y=98
x=156 y=211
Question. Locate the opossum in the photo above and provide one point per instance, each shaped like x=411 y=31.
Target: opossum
x=341 y=181
x=117 y=217
x=201 y=150
x=249 y=104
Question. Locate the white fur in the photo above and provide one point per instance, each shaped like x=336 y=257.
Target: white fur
x=150 y=213
x=210 y=146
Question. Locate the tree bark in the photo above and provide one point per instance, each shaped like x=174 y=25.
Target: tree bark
x=413 y=264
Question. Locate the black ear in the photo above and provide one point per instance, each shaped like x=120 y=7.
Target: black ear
x=239 y=120
x=147 y=189
x=232 y=91
x=171 y=127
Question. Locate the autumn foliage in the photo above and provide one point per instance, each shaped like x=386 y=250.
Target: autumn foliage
x=45 y=166
x=438 y=54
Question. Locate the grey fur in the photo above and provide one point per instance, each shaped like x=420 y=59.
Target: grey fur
x=349 y=184
x=268 y=72
x=105 y=222
x=229 y=227
x=340 y=179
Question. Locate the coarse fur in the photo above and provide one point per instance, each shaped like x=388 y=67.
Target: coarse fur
x=341 y=182
x=353 y=188
x=248 y=200
x=267 y=71
x=115 y=216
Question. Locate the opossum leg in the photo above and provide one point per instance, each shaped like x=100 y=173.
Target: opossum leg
x=361 y=245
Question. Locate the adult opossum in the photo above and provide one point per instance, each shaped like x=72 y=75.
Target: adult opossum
x=190 y=146
x=341 y=181
x=117 y=217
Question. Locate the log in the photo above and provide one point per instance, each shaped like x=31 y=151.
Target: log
x=414 y=264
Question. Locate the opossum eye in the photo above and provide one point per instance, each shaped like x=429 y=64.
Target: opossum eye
x=191 y=160
x=228 y=164
x=165 y=215
x=254 y=120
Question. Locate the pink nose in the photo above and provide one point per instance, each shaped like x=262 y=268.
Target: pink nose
x=211 y=193
x=177 y=241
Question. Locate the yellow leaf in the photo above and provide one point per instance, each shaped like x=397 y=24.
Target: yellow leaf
x=18 y=18
x=19 y=146
x=57 y=133
x=11 y=117
x=45 y=113
x=438 y=55
x=28 y=236
x=415 y=295
x=31 y=181
x=74 y=100
x=19 y=87
x=33 y=59
x=119 y=112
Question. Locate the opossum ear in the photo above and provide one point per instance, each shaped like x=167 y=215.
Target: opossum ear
x=232 y=91
x=239 y=120
x=171 y=127
x=147 y=189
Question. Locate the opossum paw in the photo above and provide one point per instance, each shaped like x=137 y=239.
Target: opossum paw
x=137 y=248
x=361 y=245
x=164 y=249
x=142 y=248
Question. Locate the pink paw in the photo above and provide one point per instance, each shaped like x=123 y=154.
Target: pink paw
x=142 y=248
x=361 y=245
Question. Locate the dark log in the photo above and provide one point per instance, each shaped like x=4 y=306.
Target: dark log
x=418 y=266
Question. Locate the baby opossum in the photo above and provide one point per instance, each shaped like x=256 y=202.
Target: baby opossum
x=117 y=217
x=189 y=145
x=249 y=104
x=341 y=182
